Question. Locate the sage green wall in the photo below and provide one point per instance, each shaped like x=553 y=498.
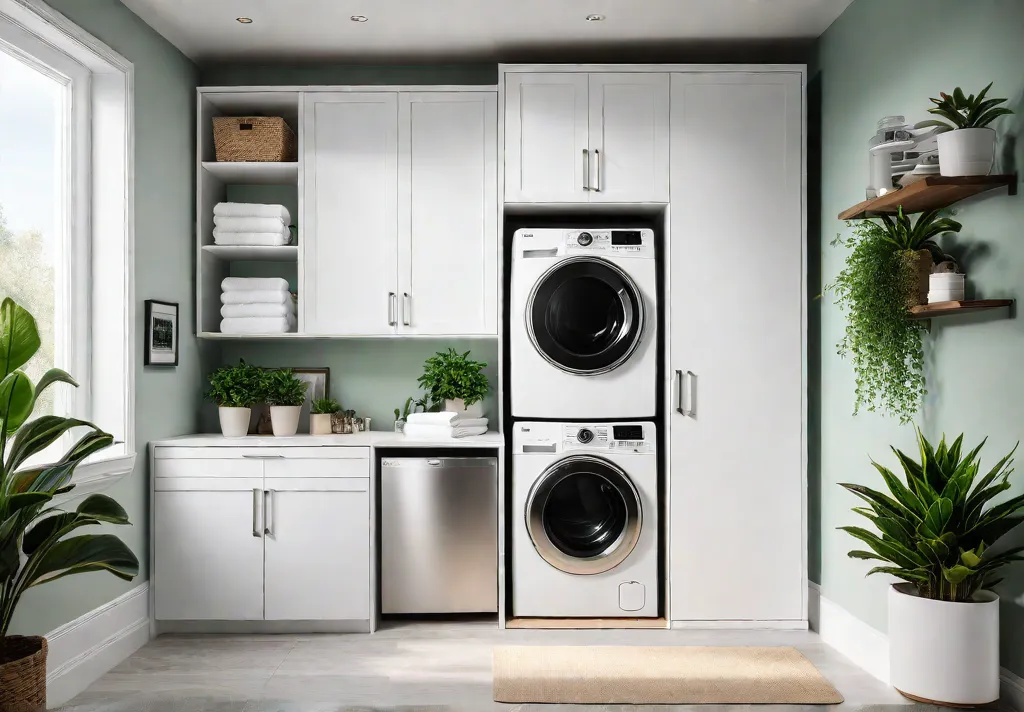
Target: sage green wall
x=167 y=400
x=885 y=57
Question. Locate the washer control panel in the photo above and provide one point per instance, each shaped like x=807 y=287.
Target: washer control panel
x=532 y=438
x=638 y=243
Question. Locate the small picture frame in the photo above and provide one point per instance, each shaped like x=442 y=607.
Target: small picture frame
x=161 y=347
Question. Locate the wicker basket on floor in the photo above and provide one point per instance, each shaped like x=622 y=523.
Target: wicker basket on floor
x=254 y=138
x=22 y=674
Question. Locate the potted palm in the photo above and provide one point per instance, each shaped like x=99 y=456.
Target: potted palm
x=285 y=394
x=320 y=412
x=456 y=380
x=969 y=148
x=35 y=546
x=235 y=389
x=936 y=532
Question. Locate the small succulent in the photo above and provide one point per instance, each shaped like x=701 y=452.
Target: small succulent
x=966 y=112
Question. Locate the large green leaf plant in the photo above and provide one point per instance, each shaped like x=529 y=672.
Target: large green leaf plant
x=34 y=544
x=936 y=531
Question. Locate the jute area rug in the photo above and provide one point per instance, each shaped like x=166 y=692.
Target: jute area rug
x=681 y=675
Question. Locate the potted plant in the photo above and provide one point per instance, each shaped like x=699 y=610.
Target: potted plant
x=402 y=415
x=34 y=544
x=285 y=394
x=970 y=147
x=320 y=415
x=235 y=389
x=457 y=380
x=915 y=243
x=936 y=533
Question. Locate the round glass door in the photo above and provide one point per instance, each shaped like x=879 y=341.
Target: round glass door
x=585 y=316
x=584 y=515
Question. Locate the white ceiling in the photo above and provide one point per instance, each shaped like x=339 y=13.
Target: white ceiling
x=470 y=29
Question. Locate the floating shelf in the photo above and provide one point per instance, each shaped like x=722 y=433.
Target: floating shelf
x=253 y=253
x=931 y=193
x=928 y=311
x=253 y=173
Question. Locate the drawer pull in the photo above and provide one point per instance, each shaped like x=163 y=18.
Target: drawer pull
x=257 y=497
x=263 y=457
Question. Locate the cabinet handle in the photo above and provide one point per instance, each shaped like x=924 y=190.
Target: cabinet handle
x=406 y=309
x=263 y=457
x=268 y=512
x=391 y=309
x=257 y=496
x=597 y=160
x=687 y=394
x=586 y=169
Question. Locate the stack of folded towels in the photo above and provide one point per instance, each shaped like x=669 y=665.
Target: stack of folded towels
x=251 y=224
x=440 y=426
x=256 y=305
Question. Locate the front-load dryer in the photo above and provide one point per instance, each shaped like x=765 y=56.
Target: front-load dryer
x=583 y=324
x=585 y=511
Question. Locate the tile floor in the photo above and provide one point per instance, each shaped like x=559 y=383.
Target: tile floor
x=433 y=667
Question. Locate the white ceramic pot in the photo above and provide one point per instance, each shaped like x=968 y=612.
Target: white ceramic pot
x=285 y=419
x=457 y=405
x=967 y=152
x=320 y=424
x=234 y=422
x=941 y=652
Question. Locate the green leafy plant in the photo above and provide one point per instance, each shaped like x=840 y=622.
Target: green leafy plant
x=236 y=386
x=905 y=235
x=965 y=112
x=324 y=406
x=282 y=387
x=448 y=375
x=403 y=413
x=936 y=530
x=34 y=544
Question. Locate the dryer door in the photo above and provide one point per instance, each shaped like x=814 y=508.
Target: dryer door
x=585 y=316
x=584 y=515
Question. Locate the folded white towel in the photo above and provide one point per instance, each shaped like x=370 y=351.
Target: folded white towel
x=225 y=223
x=251 y=238
x=258 y=325
x=257 y=309
x=445 y=418
x=254 y=284
x=441 y=432
x=270 y=296
x=252 y=210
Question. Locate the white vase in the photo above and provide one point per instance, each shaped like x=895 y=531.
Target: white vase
x=320 y=424
x=967 y=152
x=457 y=405
x=942 y=652
x=285 y=419
x=234 y=422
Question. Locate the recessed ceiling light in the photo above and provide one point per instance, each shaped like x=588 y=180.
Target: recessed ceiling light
x=595 y=18
x=244 y=20
x=359 y=18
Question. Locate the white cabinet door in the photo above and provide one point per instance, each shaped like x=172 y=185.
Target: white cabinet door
x=629 y=137
x=737 y=348
x=350 y=209
x=318 y=549
x=546 y=149
x=448 y=213
x=208 y=552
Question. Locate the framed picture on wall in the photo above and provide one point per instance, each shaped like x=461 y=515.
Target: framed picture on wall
x=161 y=347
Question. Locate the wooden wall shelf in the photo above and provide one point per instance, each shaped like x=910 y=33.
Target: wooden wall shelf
x=929 y=194
x=928 y=311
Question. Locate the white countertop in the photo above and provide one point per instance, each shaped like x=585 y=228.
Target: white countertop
x=373 y=438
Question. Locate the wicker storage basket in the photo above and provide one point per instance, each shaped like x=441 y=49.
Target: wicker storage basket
x=22 y=674
x=253 y=138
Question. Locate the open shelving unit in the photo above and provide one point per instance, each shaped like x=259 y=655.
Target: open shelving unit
x=930 y=193
x=929 y=311
x=246 y=173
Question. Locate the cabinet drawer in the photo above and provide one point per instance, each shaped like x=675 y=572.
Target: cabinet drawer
x=239 y=467
x=289 y=468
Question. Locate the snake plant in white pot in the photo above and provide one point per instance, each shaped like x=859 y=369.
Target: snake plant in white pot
x=936 y=533
x=34 y=544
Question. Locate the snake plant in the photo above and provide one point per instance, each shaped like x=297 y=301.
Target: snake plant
x=936 y=531
x=34 y=544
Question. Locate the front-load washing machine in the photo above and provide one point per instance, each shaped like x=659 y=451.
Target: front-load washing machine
x=583 y=324
x=585 y=530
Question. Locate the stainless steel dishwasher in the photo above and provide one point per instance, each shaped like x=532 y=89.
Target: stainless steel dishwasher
x=439 y=535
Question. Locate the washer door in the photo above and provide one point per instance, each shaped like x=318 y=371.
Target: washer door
x=585 y=316
x=584 y=515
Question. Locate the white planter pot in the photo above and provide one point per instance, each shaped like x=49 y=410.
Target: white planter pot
x=234 y=422
x=967 y=152
x=285 y=419
x=458 y=406
x=941 y=652
x=320 y=424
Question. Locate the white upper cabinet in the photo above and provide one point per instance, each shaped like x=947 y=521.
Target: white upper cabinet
x=448 y=213
x=579 y=137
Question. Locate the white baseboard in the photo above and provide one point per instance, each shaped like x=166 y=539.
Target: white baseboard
x=81 y=651
x=869 y=648
x=741 y=625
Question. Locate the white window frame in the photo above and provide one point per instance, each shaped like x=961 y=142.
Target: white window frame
x=96 y=297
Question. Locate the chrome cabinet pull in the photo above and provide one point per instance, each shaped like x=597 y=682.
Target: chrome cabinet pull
x=392 y=298
x=263 y=457
x=406 y=309
x=597 y=183
x=690 y=410
x=256 y=497
x=679 y=392
x=268 y=512
x=586 y=169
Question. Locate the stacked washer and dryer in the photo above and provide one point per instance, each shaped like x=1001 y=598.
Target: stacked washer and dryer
x=583 y=388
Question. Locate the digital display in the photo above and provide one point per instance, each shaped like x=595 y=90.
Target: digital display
x=627 y=237
x=628 y=432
